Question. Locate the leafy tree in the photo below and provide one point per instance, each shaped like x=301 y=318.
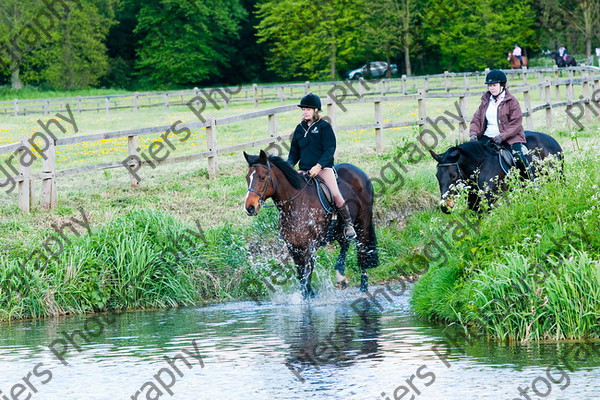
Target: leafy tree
x=309 y=39
x=475 y=35
x=17 y=36
x=390 y=28
x=574 y=20
x=185 y=42
x=61 y=42
x=75 y=56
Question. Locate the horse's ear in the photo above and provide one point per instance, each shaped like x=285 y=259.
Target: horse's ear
x=435 y=156
x=247 y=157
x=263 y=157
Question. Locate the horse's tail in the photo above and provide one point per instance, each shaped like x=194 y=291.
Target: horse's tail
x=368 y=253
x=371 y=256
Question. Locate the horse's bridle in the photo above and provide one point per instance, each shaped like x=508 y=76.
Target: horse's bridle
x=261 y=196
x=461 y=175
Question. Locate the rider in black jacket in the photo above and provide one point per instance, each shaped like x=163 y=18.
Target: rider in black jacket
x=313 y=144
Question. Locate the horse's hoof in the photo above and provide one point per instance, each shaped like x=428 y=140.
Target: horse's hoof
x=342 y=280
x=343 y=284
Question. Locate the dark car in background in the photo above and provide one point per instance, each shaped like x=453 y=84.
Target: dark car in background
x=378 y=69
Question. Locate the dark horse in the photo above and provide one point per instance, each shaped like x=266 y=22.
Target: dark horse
x=568 y=61
x=304 y=224
x=477 y=164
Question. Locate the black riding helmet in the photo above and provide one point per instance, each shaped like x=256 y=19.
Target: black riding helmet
x=495 y=76
x=311 y=100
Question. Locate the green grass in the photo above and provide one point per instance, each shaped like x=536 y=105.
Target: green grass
x=531 y=268
x=131 y=227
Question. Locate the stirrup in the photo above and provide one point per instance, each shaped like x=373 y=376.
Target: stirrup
x=349 y=232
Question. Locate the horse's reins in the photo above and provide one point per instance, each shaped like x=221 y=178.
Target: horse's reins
x=461 y=175
x=261 y=196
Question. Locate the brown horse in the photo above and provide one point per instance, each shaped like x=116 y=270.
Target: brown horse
x=514 y=61
x=304 y=224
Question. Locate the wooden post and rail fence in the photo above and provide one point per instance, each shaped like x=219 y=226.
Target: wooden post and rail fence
x=49 y=197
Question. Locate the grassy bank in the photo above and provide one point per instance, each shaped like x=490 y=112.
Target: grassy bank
x=529 y=269
x=161 y=245
x=144 y=248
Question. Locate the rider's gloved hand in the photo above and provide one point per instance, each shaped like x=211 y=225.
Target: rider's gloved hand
x=314 y=171
x=497 y=139
x=473 y=138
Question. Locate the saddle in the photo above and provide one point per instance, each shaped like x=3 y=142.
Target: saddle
x=324 y=194
x=506 y=158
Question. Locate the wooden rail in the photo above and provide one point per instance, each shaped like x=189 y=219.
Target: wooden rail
x=256 y=94
x=25 y=178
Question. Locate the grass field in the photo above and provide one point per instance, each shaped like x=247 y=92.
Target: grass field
x=173 y=197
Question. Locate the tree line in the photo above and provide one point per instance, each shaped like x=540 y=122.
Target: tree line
x=155 y=44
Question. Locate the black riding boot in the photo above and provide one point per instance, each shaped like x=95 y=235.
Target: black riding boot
x=344 y=214
x=525 y=160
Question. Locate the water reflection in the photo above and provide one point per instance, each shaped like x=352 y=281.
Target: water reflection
x=289 y=350
x=317 y=344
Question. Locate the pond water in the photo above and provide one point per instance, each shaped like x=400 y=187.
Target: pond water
x=338 y=346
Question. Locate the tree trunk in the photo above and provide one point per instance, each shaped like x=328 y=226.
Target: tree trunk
x=407 y=61
x=407 y=38
x=332 y=61
x=15 y=78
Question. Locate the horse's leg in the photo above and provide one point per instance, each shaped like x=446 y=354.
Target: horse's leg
x=340 y=265
x=366 y=250
x=304 y=263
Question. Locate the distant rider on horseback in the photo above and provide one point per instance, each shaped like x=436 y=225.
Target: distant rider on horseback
x=313 y=144
x=517 y=53
x=499 y=119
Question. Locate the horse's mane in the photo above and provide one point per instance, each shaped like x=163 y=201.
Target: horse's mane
x=289 y=172
x=474 y=151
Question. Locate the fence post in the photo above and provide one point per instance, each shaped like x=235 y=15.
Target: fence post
x=361 y=89
x=541 y=83
x=524 y=76
x=211 y=143
x=272 y=125
x=47 y=107
x=446 y=86
x=529 y=117
x=107 y=105
x=25 y=187
x=569 y=89
x=378 y=127
x=281 y=94
x=331 y=112
x=404 y=84
x=255 y=94
x=307 y=87
x=586 y=96
x=557 y=91
x=422 y=108
x=136 y=101
x=16 y=106
x=466 y=84
x=462 y=105
x=426 y=85
x=548 y=103
x=382 y=83
x=49 y=196
x=166 y=101
x=133 y=146
x=79 y=104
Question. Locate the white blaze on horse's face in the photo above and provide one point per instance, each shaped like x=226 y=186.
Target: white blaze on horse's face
x=249 y=179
